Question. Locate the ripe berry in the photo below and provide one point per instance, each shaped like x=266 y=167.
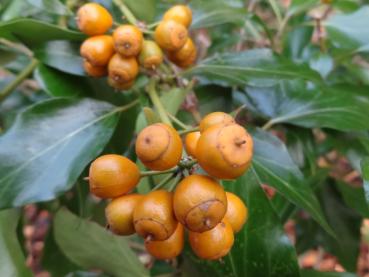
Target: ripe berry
x=159 y=146
x=128 y=40
x=98 y=50
x=213 y=244
x=122 y=70
x=215 y=118
x=151 y=55
x=95 y=71
x=236 y=212
x=119 y=85
x=191 y=140
x=153 y=216
x=185 y=56
x=93 y=19
x=119 y=214
x=225 y=151
x=199 y=203
x=112 y=176
x=169 y=248
x=171 y=35
x=179 y=13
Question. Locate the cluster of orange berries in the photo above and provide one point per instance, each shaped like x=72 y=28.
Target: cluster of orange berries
x=119 y=55
x=199 y=203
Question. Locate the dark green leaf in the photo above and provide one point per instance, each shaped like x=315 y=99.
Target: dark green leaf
x=91 y=246
x=339 y=108
x=253 y=67
x=365 y=174
x=49 y=145
x=211 y=13
x=12 y=260
x=59 y=84
x=62 y=55
x=313 y=273
x=51 y=6
x=86 y=274
x=274 y=166
x=354 y=197
x=32 y=32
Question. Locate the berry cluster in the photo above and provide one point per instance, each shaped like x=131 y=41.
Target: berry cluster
x=199 y=203
x=120 y=54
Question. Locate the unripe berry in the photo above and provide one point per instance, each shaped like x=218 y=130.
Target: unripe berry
x=171 y=35
x=93 y=19
x=151 y=55
x=112 y=175
x=199 y=203
x=128 y=40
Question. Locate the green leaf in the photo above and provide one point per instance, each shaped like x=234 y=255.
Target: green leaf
x=12 y=260
x=62 y=55
x=59 y=84
x=85 y=274
x=261 y=248
x=144 y=9
x=91 y=246
x=50 y=6
x=313 y=273
x=350 y=31
x=338 y=108
x=274 y=166
x=49 y=145
x=253 y=67
x=33 y=32
x=365 y=174
x=211 y=13
x=354 y=197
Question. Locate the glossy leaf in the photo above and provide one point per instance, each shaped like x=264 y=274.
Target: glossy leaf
x=211 y=13
x=33 y=32
x=93 y=247
x=274 y=166
x=49 y=145
x=59 y=84
x=313 y=273
x=254 y=67
x=51 y=6
x=61 y=55
x=12 y=260
x=339 y=108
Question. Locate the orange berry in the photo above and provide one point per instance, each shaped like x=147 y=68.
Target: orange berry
x=169 y=248
x=199 y=203
x=119 y=214
x=98 y=50
x=119 y=85
x=95 y=71
x=171 y=35
x=185 y=56
x=215 y=118
x=179 y=13
x=151 y=55
x=93 y=19
x=153 y=216
x=128 y=40
x=112 y=175
x=236 y=212
x=159 y=146
x=122 y=70
x=191 y=140
x=225 y=151
x=213 y=244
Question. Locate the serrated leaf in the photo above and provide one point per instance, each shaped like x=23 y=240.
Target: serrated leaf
x=92 y=246
x=51 y=6
x=33 y=32
x=260 y=67
x=12 y=260
x=338 y=108
x=62 y=55
x=49 y=145
x=274 y=166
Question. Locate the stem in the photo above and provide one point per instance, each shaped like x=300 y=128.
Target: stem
x=163 y=182
x=15 y=46
x=267 y=125
x=153 y=172
x=153 y=25
x=178 y=122
x=126 y=11
x=187 y=164
x=128 y=106
x=175 y=182
x=19 y=79
x=157 y=103
x=276 y=11
x=195 y=129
